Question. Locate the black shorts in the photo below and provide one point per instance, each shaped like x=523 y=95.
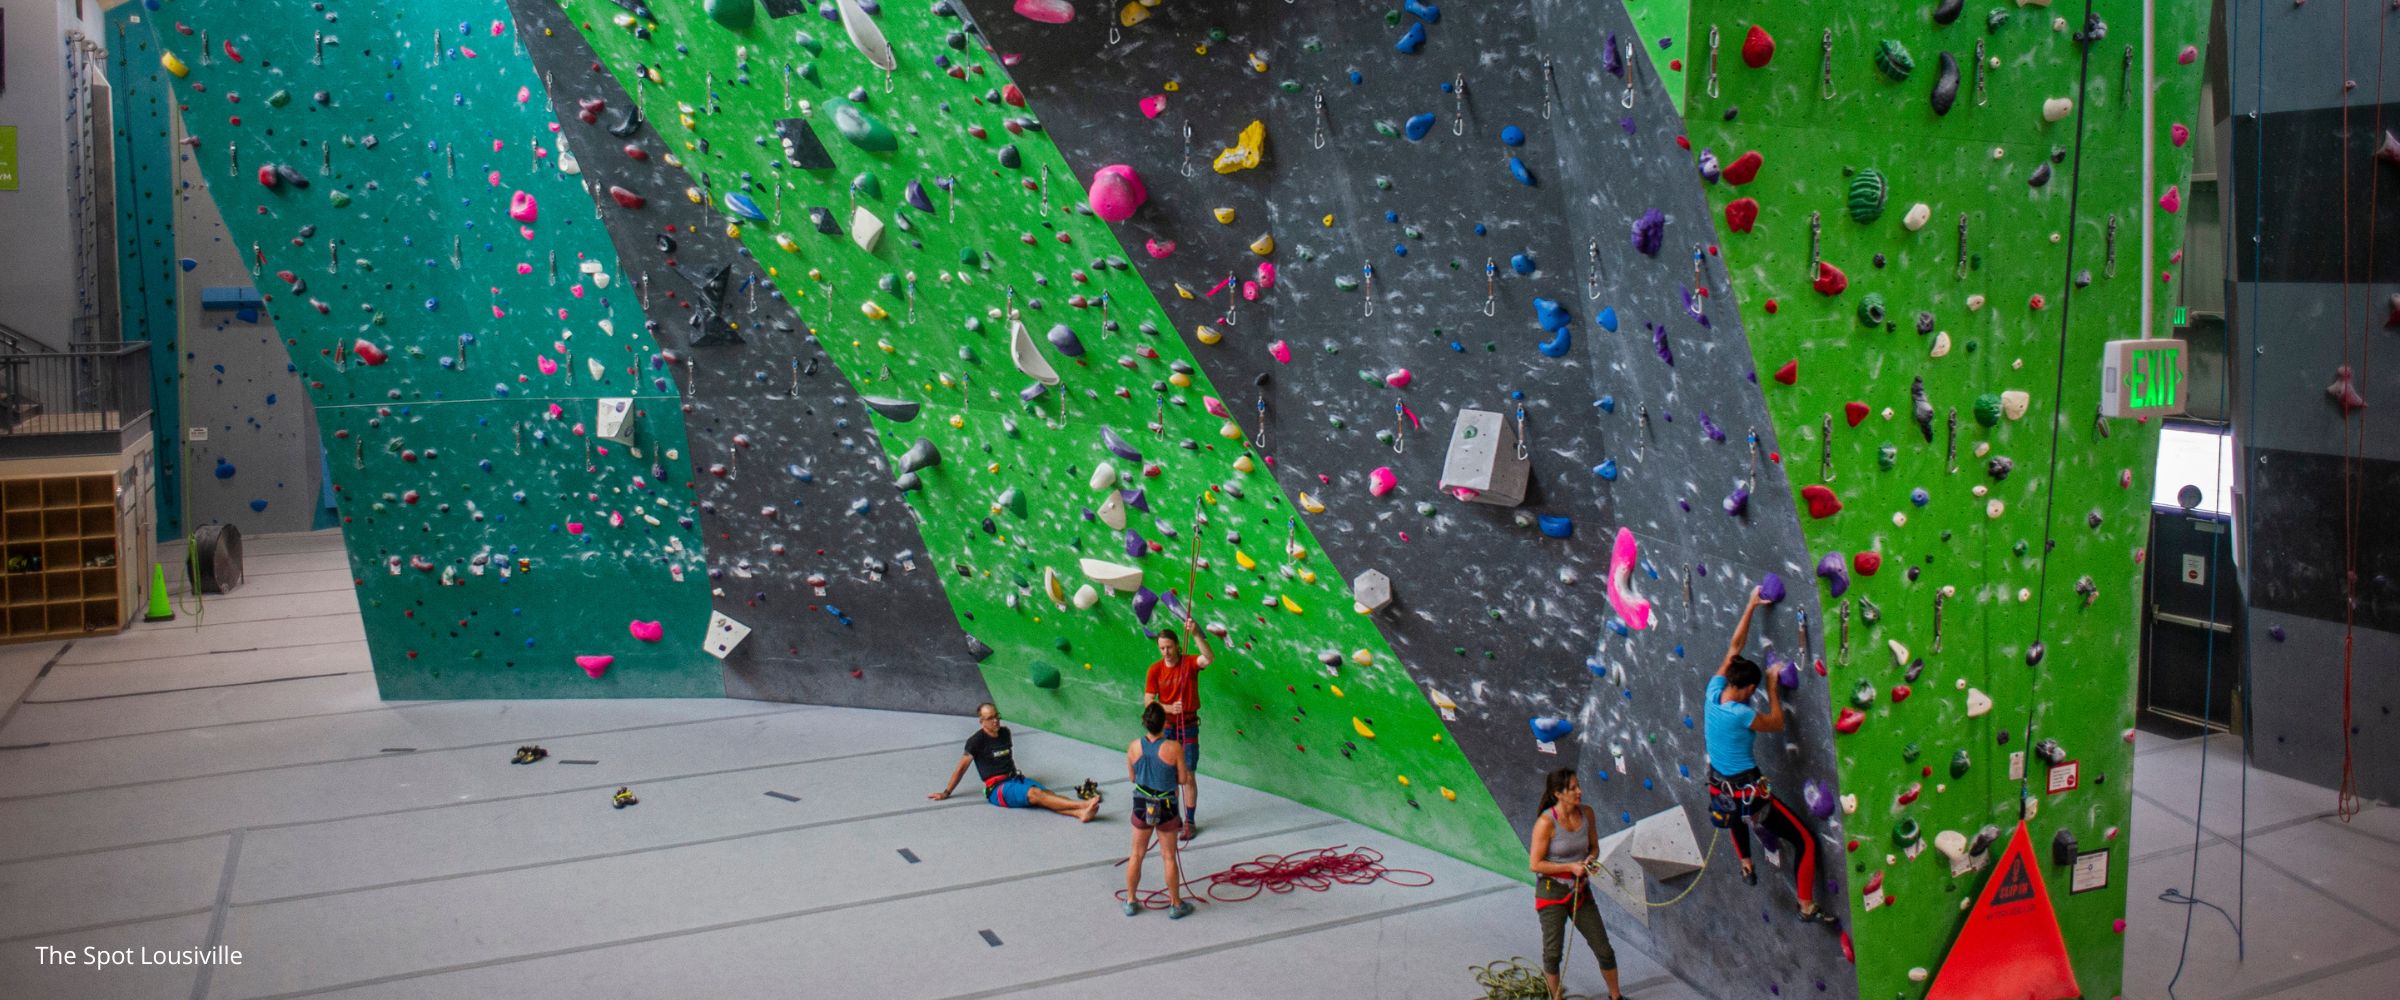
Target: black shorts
x=1156 y=812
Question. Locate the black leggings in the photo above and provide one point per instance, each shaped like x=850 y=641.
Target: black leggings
x=1786 y=824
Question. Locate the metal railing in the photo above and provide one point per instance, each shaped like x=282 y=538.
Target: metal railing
x=87 y=388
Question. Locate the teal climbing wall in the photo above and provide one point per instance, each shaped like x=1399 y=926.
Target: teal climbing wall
x=147 y=261
x=2017 y=538
x=1306 y=699
x=456 y=353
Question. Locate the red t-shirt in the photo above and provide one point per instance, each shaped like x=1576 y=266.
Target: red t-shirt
x=1181 y=684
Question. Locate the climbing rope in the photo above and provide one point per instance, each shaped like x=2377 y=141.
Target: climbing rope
x=1514 y=980
x=1705 y=858
x=1315 y=871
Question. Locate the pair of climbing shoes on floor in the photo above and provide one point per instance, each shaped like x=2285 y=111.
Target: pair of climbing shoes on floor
x=1088 y=790
x=624 y=797
x=529 y=754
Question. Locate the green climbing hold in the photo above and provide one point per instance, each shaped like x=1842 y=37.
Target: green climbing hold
x=734 y=14
x=808 y=72
x=809 y=42
x=1959 y=763
x=1013 y=499
x=1893 y=59
x=1868 y=190
x=1385 y=128
x=1907 y=833
x=279 y=98
x=861 y=128
x=339 y=199
x=1888 y=457
x=1871 y=311
x=1908 y=752
x=1987 y=409
x=866 y=184
x=1043 y=676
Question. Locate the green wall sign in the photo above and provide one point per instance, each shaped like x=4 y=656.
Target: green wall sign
x=2142 y=378
x=8 y=157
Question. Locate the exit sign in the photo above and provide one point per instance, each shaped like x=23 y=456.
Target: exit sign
x=2144 y=378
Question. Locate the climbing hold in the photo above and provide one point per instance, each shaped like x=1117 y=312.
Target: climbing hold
x=1550 y=728
x=1741 y=214
x=1945 y=84
x=1382 y=481
x=920 y=456
x=734 y=14
x=1789 y=374
x=1360 y=726
x=1918 y=215
x=369 y=353
x=1046 y=11
x=1043 y=675
x=1518 y=170
x=1557 y=526
x=1978 y=703
x=866 y=229
x=1630 y=606
x=862 y=130
x=1821 y=501
x=522 y=208
x=1849 y=721
x=741 y=204
x=1247 y=150
x=1893 y=60
x=1866 y=563
x=646 y=631
x=1987 y=409
x=1744 y=168
x=1413 y=40
x=1063 y=339
x=2057 y=108
x=173 y=65
x=1770 y=588
x=1116 y=192
x=1511 y=135
x=1830 y=279
x=1835 y=573
x=2014 y=403
x=1085 y=597
x=1418 y=127
x=1737 y=502
x=2344 y=393
x=1552 y=316
x=2040 y=176
x=898 y=411
x=1854 y=412
x=1758 y=48
x=594 y=666
x=2172 y=201
x=1650 y=232
x=1871 y=310
x=1867 y=193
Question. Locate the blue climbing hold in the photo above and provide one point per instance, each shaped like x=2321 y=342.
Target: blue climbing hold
x=1607 y=404
x=1418 y=126
x=188 y=264
x=1552 y=316
x=1390 y=215
x=1511 y=135
x=1400 y=249
x=1558 y=344
x=1521 y=263
x=1550 y=728
x=1479 y=230
x=1431 y=13
x=741 y=205
x=1608 y=318
x=258 y=506
x=1516 y=169
x=224 y=469
x=1606 y=470
x=1356 y=79
x=1919 y=497
x=1557 y=525
x=1413 y=40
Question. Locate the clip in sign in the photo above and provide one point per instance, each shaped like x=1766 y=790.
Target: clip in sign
x=2066 y=777
x=723 y=634
x=2143 y=378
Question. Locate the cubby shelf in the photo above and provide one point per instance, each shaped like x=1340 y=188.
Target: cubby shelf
x=60 y=569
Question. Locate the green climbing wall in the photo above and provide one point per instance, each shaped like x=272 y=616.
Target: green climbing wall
x=1976 y=309
x=142 y=108
x=1306 y=700
x=456 y=355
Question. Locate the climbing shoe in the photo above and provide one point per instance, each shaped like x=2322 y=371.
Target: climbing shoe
x=1133 y=909
x=1088 y=790
x=527 y=755
x=624 y=797
x=1817 y=917
x=1180 y=910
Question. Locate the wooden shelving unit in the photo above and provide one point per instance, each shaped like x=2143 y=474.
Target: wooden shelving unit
x=64 y=573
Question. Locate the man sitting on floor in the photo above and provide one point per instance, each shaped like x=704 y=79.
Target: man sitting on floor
x=1003 y=785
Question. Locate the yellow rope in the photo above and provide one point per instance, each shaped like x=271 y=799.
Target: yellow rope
x=1705 y=858
x=1515 y=980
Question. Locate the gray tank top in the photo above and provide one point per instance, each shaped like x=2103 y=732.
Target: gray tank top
x=1567 y=847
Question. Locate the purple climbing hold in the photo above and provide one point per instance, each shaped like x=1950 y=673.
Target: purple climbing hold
x=1610 y=60
x=916 y=198
x=1710 y=170
x=1650 y=232
x=1785 y=672
x=1413 y=41
x=1136 y=499
x=1818 y=798
x=1710 y=428
x=2275 y=632
x=1737 y=502
x=1658 y=339
x=1145 y=601
x=1135 y=546
x=1836 y=572
x=1118 y=446
x=1770 y=589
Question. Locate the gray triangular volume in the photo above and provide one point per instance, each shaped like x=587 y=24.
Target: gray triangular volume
x=801 y=147
x=786 y=8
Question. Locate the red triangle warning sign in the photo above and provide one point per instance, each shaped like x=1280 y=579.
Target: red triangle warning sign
x=2010 y=948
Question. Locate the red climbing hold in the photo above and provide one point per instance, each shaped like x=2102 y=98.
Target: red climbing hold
x=1744 y=168
x=1757 y=48
x=588 y=110
x=1900 y=693
x=1855 y=412
x=1741 y=214
x=1771 y=307
x=1849 y=721
x=268 y=178
x=2344 y=393
x=1821 y=501
x=1014 y=97
x=368 y=353
x=627 y=198
x=1789 y=374
x=2391 y=318
x=1830 y=279
x=1866 y=563
x=2010 y=946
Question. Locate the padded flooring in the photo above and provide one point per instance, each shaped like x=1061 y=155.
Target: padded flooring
x=232 y=777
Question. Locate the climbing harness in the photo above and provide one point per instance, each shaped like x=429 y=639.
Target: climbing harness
x=1712 y=60
x=1316 y=140
x=1825 y=450
x=1825 y=78
x=1491 y=286
x=1458 y=122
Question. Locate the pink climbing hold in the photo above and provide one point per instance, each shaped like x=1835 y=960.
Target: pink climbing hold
x=647 y=631
x=2344 y=393
x=1214 y=406
x=1399 y=379
x=1266 y=274
x=1383 y=480
x=1621 y=596
x=521 y=207
x=2172 y=201
x=547 y=366
x=2189 y=53
x=2178 y=134
x=1046 y=11
x=1154 y=105
x=574 y=527
x=1283 y=351
x=595 y=665
x=1159 y=249
x=1116 y=192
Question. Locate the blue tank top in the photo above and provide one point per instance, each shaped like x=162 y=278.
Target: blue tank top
x=1152 y=773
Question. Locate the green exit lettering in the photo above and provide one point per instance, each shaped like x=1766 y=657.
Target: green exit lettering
x=2154 y=379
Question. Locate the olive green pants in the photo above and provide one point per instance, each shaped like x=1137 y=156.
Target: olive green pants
x=1582 y=912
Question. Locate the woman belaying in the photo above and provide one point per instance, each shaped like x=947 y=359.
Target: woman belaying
x=1737 y=789
x=1563 y=850
x=1174 y=684
x=1156 y=765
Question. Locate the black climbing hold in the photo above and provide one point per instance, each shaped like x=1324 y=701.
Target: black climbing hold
x=2041 y=176
x=1945 y=84
x=627 y=126
x=975 y=646
x=1924 y=321
x=2033 y=654
x=801 y=147
x=822 y=218
x=1946 y=12
x=1010 y=157
x=2064 y=848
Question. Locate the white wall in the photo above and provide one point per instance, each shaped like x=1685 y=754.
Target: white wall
x=37 y=259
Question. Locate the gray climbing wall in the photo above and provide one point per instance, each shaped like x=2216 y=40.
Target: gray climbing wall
x=2306 y=310
x=259 y=468
x=805 y=539
x=1491 y=613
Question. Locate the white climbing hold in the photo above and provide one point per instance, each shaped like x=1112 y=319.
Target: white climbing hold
x=1053 y=587
x=1977 y=703
x=865 y=229
x=1918 y=974
x=1085 y=597
x=2014 y=402
x=1664 y=844
x=1918 y=215
x=1104 y=477
x=1114 y=576
x=1028 y=357
x=1112 y=511
x=1899 y=652
x=1994 y=509
x=1974 y=303
x=1372 y=591
x=1941 y=344
x=867 y=37
x=1850 y=805
x=2057 y=108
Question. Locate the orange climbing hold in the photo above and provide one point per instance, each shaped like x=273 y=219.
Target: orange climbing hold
x=2010 y=948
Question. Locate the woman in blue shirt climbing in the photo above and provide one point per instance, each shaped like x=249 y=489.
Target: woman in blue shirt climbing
x=1737 y=789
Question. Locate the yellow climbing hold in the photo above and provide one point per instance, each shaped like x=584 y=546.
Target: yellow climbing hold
x=1132 y=14
x=957 y=422
x=1200 y=49
x=1329 y=221
x=693 y=195
x=1179 y=380
x=1336 y=689
x=1243 y=560
x=733 y=230
x=1184 y=290
x=1363 y=657
x=788 y=244
x=1244 y=464
x=873 y=311
x=1230 y=432
x=1247 y=149
x=1361 y=725
x=1207 y=334
x=1263 y=245
x=1308 y=576
x=654 y=76
x=1224 y=214
x=1310 y=504
x=1448 y=794
x=1291 y=605
x=886 y=346
x=1171 y=86
x=1258 y=62
x=168 y=62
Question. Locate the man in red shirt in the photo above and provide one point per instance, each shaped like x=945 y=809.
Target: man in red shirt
x=1174 y=684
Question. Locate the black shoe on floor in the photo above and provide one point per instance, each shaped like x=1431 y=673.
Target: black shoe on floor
x=1750 y=877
